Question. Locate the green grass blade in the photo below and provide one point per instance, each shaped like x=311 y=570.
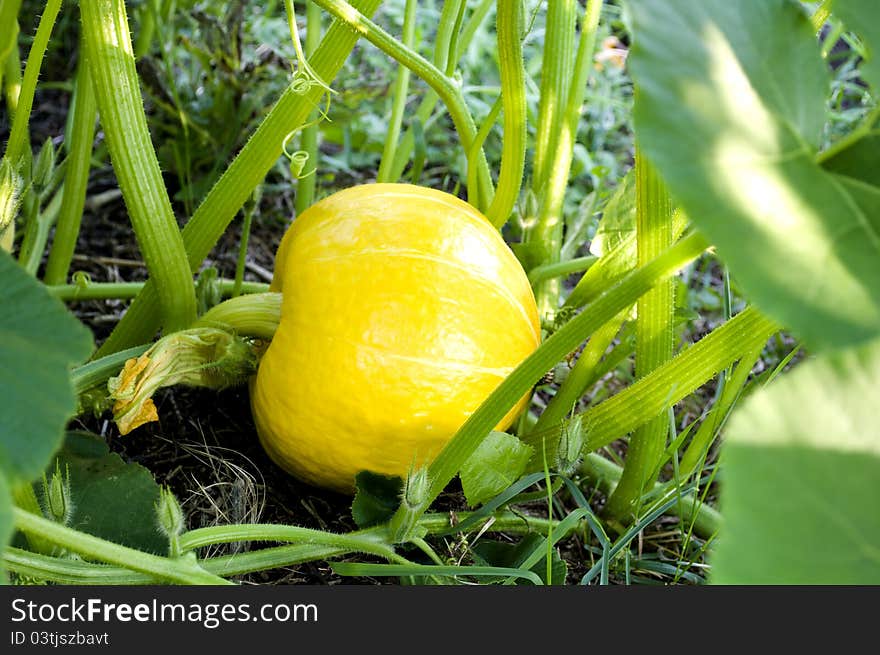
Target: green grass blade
x=354 y=569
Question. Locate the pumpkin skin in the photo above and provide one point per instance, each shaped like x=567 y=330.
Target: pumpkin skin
x=402 y=310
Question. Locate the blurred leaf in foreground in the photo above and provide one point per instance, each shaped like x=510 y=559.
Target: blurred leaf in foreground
x=736 y=140
x=801 y=494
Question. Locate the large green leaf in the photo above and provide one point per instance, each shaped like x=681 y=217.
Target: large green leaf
x=863 y=17
x=112 y=499
x=39 y=341
x=730 y=108
x=801 y=494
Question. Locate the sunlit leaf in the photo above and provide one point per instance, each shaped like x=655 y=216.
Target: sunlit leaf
x=730 y=108
x=801 y=490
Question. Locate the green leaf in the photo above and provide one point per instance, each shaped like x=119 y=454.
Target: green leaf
x=498 y=462
x=376 y=499
x=735 y=139
x=112 y=499
x=498 y=554
x=801 y=494
x=863 y=17
x=618 y=220
x=859 y=160
x=618 y=253
x=39 y=341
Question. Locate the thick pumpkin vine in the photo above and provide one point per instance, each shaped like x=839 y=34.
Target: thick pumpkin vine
x=729 y=156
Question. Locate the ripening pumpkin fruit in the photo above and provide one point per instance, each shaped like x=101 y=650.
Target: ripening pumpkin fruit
x=402 y=310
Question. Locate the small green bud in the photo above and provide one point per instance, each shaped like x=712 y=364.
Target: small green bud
x=416 y=488
x=169 y=514
x=44 y=165
x=560 y=373
x=10 y=201
x=57 y=502
x=571 y=445
x=414 y=496
x=208 y=292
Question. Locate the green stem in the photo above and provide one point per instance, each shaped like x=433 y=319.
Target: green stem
x=447 y=464
x=679 y=377
x=9 y=37
x=473 y=154
x=399 y=92
x=605 y=474
x=254 y=315
x=80 y=141
x=18 y=136
x=181 y=571
x=708 y=431
x=289 y=555
x=575 y=385
x=79 y=572
x=249 y=209
x=442 y=60
x=247 y=170
x=475 y=20
x=41 y=225
x=305 y=185
x=287 y=533
x=126 y=290
x=111 y=59
x=613 y=264
x=24 y=496
x=556 y=70
x=67 y=571
x=448 y=91
x=146 y=32
x=12 y=81
x=654 y=337
x=561 y=269
x=513 y=95
x=554 y=150
x=98 y=371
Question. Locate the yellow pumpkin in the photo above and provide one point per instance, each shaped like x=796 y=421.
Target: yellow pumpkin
x=402 y=310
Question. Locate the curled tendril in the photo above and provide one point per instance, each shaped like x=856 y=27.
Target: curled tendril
x=302 y=65
x=298 y=159
x=81 y=279
x=301 y=84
